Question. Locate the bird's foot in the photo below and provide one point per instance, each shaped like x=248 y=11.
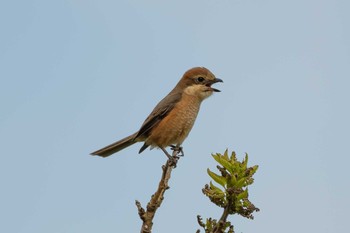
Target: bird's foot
x=177 y=149
x=172 y=159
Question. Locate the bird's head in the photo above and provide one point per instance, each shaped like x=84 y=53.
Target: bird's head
x=198 y=82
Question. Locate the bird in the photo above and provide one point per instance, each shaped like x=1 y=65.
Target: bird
x=170 y=122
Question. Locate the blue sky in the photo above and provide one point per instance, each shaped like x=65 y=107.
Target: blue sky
x=78 y=75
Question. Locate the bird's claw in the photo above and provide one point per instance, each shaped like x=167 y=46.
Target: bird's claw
x=173 y=160
x=177 y=149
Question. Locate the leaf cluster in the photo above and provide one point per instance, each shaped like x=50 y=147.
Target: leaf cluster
x=234 y=177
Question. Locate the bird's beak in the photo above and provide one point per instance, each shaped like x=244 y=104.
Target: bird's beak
x=216 y=80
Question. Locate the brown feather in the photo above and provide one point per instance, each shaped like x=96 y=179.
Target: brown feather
x=116 y=146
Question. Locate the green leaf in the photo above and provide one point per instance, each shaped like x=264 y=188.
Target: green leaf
x=241 y=182
x=226 y=155
x=243 y=195
x=226 y=164
x=232 y=181
x=215 y=188
x=218 y=179
x=255 y=168
x=217 y=158
x=245 y=161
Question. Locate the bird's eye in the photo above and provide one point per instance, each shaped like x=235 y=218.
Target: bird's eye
x=200 y=79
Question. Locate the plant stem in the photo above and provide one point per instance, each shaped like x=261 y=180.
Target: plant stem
x=157 y=198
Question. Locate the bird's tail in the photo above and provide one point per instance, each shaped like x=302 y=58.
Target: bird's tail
x=115 y=147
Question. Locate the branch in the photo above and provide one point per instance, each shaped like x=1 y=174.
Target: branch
x=220 y=227
x=157 y=198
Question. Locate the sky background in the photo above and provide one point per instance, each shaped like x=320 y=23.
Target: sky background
x=78 y=75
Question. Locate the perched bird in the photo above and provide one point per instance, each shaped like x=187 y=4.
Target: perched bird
x=172 y=119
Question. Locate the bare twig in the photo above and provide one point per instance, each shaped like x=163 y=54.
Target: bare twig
x=157 y=198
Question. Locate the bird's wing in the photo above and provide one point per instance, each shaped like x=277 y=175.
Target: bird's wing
x=159 y=112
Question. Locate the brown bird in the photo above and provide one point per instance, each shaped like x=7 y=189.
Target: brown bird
x=172 y=119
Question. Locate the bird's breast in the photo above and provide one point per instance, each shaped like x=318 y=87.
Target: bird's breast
x=175 y=127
